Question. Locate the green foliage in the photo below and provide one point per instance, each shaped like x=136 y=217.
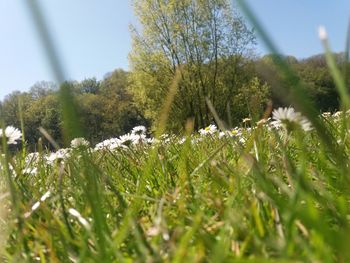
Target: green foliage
x=312 y=71
x=106 y=108
x=251 y=99
x=42 y=112
x=206 y=41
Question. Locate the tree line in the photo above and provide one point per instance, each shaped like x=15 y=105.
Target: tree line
x=108 y=107
x=105 y=107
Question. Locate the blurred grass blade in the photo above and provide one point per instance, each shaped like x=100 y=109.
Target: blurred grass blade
x=297 y=92
x=47 y=41
x=71 y=124
x=168 y=101
x=334 y=70
x=20 y=111
x=71 y=121
x=346 y=56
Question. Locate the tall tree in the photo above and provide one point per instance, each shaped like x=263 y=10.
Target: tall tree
x=204 y=40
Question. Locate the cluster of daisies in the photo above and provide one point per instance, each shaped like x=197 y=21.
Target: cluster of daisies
x=284 y=120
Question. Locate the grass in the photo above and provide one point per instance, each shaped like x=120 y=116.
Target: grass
x=259 y=195
x=263 y=195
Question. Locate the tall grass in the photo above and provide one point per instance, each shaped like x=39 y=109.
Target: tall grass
x=256 y=195
x=253 y=194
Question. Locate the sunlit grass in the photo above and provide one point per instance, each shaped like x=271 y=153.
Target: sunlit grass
x=267 y=192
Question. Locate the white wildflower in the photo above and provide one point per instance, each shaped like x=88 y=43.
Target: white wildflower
x=211 y=129
x=182 y=140
x=152 y=140
x=139 y=130
x=60 y=155
x=30 y=170
x=165 y=138
x=109 y=144
x=326 y=114
x=289 y=119
x=222 y=134
x=79 y=142
x=32 y=158
x=12 y=134
x=337 y=114
x=129 y=139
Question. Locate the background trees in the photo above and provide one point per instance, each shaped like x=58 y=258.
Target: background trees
x=205 y=40
x=313 y=71
x=106 y=108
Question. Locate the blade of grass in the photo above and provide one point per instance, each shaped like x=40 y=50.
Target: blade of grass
x=298 y=92
x=71 y=124
x=334 y=70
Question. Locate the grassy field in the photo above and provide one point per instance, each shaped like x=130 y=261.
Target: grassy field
x=266 y=192
x=277 y=190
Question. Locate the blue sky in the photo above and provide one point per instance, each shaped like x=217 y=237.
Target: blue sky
x=93 y=36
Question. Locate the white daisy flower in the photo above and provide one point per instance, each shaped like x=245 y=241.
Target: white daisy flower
x=326 y=114
x=222 y=134
x=79 y=142
x=60 y=155
x=337 y=114
x=182 y=140
x=30 y=170
x=139 y=130
x=152 y=140
x=211 y=129
x=109 y=144
x=12 y=134
x=132 y=139
x=165 y=138
x=289 y=119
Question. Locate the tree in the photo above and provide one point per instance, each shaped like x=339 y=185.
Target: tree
x=312 y=71
x=43 y=112
x=90 y=85
x=204 y=40
x=251 y=99
x=110 y=110
x=42 y=88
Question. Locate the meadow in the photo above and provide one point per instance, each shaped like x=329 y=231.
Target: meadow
x=269 y=191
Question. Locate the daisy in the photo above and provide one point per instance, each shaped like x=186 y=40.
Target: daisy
x=109 y=144
x=337 y=114
x=79 y=142
x=211 y=129
x=139 y=130
x=59 y=155
x=12 y=134
x=326 y=114
x=289 y=119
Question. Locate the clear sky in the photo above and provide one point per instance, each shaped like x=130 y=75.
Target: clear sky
x=93 y=35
